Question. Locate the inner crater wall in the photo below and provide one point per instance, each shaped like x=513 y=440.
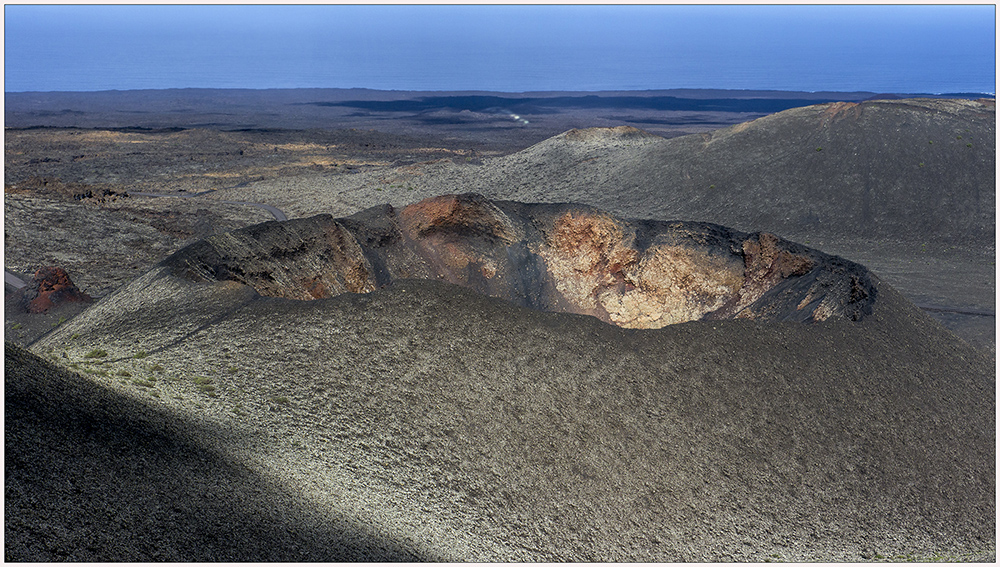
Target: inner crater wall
x=554 y=257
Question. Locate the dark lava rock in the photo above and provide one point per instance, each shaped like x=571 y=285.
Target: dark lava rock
x=551 y=257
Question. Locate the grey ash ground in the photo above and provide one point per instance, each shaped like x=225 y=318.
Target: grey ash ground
x=424 y=421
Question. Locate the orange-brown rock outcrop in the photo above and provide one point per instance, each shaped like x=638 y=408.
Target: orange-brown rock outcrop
x=562 y=257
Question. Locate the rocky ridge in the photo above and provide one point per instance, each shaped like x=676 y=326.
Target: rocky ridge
x=566 y=258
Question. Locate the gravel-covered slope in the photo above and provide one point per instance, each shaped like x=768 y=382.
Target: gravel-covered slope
x=470 y=429
x=94 y=475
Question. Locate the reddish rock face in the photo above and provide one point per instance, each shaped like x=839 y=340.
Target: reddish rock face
x=563 y=257
x=50 y=288
x=463 y=215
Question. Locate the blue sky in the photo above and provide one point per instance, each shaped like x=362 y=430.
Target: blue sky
x=883 y=48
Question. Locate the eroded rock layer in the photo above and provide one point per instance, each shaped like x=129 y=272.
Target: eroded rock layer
x=552 y=257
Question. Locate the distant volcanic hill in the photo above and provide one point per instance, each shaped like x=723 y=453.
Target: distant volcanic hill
x=567 y=258
x=914 y=169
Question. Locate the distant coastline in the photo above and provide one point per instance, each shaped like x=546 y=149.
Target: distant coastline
x=501 y=120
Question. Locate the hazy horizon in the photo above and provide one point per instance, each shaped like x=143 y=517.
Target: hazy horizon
x=932 y=49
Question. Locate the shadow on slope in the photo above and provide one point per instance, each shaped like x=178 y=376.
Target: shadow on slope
x=91 y=475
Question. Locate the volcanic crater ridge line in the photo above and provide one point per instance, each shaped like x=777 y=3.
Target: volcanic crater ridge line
x=552 y=257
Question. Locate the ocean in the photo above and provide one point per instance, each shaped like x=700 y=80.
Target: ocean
x=899 y=49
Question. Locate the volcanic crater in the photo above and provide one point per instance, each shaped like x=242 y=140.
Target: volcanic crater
x=568 y=258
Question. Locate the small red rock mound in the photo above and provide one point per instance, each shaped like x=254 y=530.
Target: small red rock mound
x=51 y=287
x=561 y=257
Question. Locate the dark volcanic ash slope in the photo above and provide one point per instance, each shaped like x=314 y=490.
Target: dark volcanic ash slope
x=918 y=170
x=904 y=170
x=465 y=427
x=560 y=257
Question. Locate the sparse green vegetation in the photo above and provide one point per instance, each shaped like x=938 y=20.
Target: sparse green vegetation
x=59 y=322
x=280 y=400
x=205 y=385
x=968 y=145
x=15 y=326
x=125 y=373
x=156 y=368
x=921 y=164
x=145 y=383
x=819 y=149
x=96 y=353
x=140 y=354
x=232 y=370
